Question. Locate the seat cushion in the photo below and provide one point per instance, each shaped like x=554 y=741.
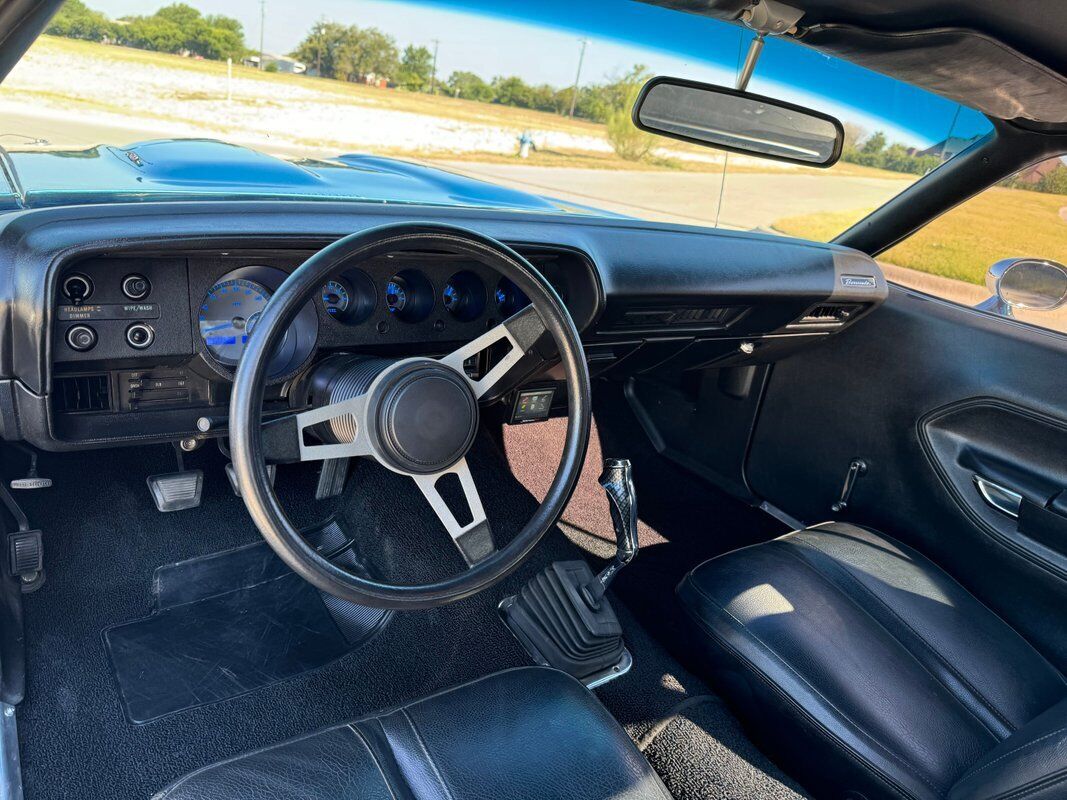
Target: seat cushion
x=860 y=664
x=525 y=733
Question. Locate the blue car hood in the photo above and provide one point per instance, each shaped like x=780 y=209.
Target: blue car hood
x=170 y=169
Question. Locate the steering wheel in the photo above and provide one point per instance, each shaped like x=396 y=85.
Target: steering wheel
x=414 y=416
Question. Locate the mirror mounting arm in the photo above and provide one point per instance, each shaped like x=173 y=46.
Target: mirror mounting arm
x=766 y=18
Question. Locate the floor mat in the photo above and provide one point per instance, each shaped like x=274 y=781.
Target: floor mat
x=230 y=623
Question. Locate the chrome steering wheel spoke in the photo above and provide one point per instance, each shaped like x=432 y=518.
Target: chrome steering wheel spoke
x=475 y=539
x=521 y=330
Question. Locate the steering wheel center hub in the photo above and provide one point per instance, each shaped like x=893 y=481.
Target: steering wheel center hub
x=426 y=417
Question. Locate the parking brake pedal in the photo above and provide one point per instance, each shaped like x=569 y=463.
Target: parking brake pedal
x=32 y=479
x=25 y=547
x=562 y=616
x=177 y=491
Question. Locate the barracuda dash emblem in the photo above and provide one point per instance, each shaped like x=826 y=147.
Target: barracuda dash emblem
x=859 y=281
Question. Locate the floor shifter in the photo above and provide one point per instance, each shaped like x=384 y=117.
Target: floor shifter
x=562 y=616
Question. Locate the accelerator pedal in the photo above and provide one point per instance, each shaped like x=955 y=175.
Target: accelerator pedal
x=272 y=469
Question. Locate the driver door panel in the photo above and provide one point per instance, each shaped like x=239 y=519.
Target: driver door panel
x=931 y=395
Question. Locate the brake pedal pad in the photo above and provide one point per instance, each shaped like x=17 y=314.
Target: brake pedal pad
x=177 y=491
x=272 y=469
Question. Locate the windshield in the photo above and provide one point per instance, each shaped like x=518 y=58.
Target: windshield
x=532 y=97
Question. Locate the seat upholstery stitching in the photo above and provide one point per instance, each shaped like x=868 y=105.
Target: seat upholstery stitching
x=825 y=699
x=1015 y=750
x=830 y=736
x=426 y=752
x=922 y=640
x=374 y=757
x=1033 y=787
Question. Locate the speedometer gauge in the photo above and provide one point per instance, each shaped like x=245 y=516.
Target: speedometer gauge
x=228 y=316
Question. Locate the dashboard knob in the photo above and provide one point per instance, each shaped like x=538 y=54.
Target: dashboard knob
x=136 y=287
x=81 y=338
x=77 y=288
x=140 y=335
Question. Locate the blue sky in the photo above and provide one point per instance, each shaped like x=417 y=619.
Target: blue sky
x=539 y=40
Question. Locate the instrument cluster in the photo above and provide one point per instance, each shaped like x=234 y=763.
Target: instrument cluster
x=197 y=312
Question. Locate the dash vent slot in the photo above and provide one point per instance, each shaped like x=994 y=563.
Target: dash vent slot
x=830 y=314
x=79 y=393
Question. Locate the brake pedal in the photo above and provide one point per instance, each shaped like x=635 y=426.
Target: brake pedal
x=177 y=491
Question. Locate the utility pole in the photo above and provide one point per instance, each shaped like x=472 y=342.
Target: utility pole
x=578 y=77
x=433 y=80
x=262 y=25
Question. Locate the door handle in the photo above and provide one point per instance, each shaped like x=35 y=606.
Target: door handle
x=1005 y=500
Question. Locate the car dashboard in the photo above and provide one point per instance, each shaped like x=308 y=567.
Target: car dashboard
x=125 y=323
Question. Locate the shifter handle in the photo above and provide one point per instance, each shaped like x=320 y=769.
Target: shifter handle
x=617 y=480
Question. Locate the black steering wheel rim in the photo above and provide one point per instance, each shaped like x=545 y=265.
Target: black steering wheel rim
x=247 y=399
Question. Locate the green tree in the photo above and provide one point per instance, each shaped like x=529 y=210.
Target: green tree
x=1054 y=182
x=511 y=91
x=77 y=21
x=153 y=33
x=416 y=69
x=469 y=86
x=628 y=141
x=179 y=27
x=320 y=47
x=364 y=52
x=875 y=143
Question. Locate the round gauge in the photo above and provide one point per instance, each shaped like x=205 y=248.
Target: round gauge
x=453 y=296
x=510 y=299
x=409 y=296
x=464 y=296
x=228 y=316
x=336 y=298
x=396 y=295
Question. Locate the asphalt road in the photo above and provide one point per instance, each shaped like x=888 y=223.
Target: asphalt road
x=750 y=200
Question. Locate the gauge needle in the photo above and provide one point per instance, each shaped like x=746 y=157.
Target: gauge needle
x=213 y=328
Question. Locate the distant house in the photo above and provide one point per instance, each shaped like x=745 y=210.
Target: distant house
x=947 y=148
x=1033 y=175
x=276 y=63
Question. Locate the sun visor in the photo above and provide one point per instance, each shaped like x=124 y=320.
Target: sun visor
x=959 y=64
x=21 y=21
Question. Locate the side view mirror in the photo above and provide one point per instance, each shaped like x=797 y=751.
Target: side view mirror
x=729 y=119
x=1026 y=283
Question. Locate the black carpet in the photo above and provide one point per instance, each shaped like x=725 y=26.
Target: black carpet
x=104 y=540
x=702 y=754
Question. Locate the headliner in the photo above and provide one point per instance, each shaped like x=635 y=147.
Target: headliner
x=1007 y=58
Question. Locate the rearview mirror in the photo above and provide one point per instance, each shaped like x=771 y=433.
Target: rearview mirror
x=727 y=119
x=1026 y=283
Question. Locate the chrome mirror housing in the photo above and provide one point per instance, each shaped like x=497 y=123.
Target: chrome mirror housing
x=1025 y=283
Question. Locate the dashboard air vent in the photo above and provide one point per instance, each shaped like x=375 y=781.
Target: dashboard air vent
x=82 y=393
x=705 y=317
x=830 y=314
